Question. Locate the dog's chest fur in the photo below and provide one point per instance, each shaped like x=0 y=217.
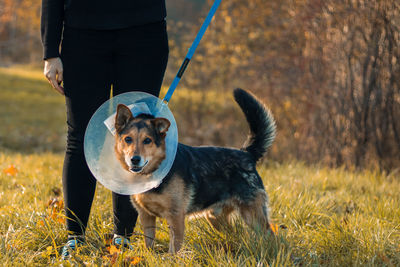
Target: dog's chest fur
x=173 y=200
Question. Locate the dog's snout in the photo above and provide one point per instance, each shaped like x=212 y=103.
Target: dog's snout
x=135 y=160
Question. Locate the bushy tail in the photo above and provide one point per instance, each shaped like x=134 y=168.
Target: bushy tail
x=261 y=123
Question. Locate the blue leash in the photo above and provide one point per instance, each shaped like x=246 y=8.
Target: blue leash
x=191 y=51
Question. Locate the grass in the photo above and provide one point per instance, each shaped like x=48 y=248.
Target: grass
x=32 y=116
x=323 y=216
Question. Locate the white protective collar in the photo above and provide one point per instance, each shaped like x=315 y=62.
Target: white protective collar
x=99 y=144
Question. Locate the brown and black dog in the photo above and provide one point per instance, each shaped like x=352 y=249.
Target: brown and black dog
x=213 y=181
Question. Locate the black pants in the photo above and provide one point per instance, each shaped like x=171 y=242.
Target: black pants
x=131 y=59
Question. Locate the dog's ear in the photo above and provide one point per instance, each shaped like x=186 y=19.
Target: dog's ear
x=162 y=125
x=124 y=115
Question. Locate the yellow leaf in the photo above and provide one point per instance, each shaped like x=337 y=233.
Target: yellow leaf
x=49 y=250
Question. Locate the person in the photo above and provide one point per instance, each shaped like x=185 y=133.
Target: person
x=120 y=44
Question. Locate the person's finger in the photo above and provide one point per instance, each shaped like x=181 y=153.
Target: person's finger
x=60 y=89
x=60 y=76
x=54 y=83
x=60 y=79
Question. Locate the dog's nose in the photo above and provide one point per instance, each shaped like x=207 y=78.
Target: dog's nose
x=135 y=160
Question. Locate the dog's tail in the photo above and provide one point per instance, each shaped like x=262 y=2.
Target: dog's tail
x=261 y=123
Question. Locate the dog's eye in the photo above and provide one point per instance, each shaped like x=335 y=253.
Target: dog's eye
x=128 y=139
x=147 y=141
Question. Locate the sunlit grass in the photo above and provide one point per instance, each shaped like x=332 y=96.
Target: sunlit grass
x=24 y=72
x=323 y=216
x=32 y=115
x=326 y=217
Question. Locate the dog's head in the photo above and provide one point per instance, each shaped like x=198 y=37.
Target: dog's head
x=139 y=141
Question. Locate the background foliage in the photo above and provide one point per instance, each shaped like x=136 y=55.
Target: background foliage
x=329 y=70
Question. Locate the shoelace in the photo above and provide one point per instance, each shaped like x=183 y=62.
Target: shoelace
x=68 y=247
x=122 y=241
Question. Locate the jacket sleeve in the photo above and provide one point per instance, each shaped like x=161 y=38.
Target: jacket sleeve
x=51 y=27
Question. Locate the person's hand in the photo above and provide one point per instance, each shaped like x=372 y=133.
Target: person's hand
x=53 y=70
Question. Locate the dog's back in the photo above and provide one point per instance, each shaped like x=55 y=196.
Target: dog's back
x=215 y=174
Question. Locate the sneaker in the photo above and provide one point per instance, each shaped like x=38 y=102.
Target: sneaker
x=70 y=246
x=121 y=241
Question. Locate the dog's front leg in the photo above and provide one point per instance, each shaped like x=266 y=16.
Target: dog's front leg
x=176 y=232
x=148 y=222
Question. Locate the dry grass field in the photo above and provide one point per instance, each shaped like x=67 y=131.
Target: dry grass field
x=321 y=216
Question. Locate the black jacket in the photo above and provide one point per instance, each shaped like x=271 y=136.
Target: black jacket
x=94 y=14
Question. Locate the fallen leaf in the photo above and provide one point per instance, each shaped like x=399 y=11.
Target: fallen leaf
x=274 y=228
x=55 y=204
x=55 y=207
x=133 y=260
x=113 y=249
x=61 y=220
x=11 y=170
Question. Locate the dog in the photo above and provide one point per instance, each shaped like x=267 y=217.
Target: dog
x=211 y=181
